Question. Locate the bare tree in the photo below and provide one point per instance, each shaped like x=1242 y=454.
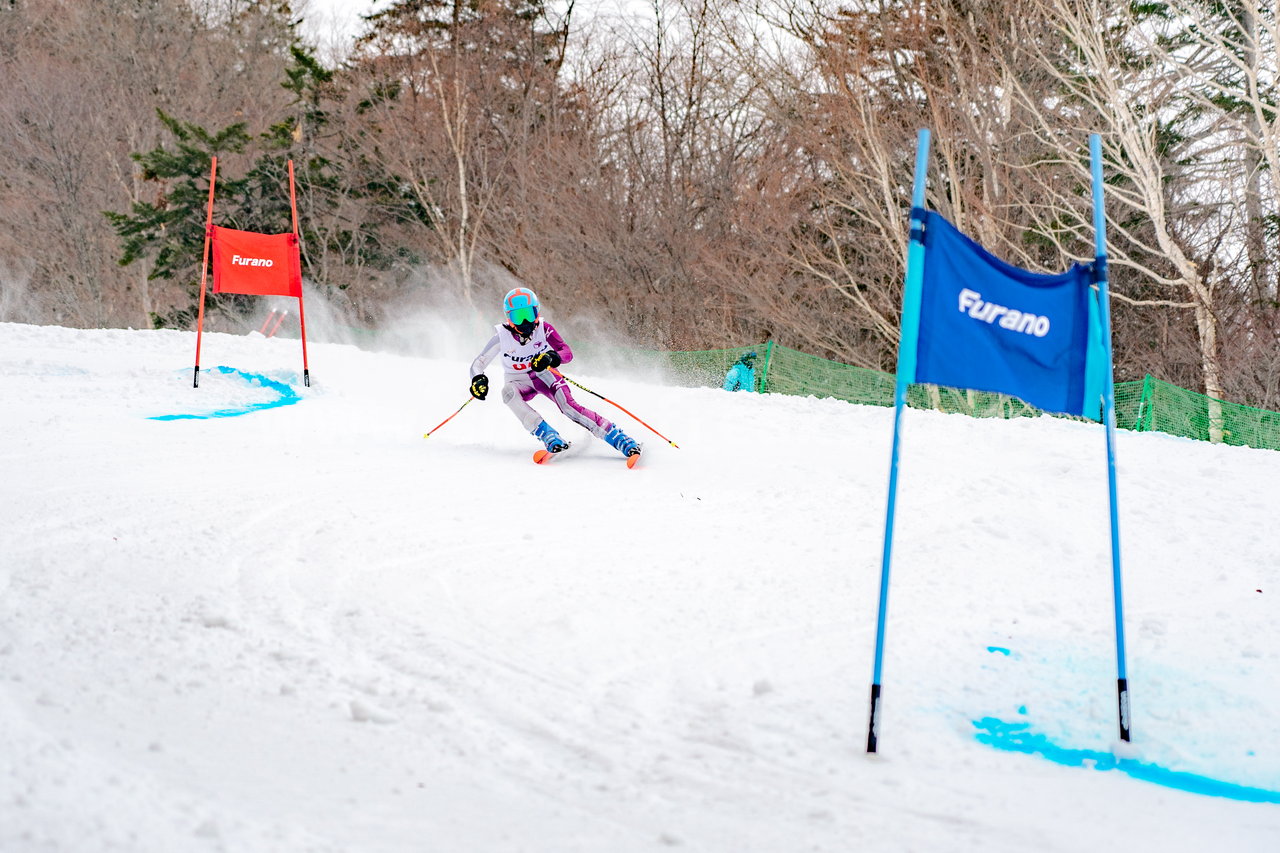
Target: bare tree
x=1169 y=216
x=464 y=81
x=71 y=108
x=679 y=130
x=875 y=73
x=1225 y=53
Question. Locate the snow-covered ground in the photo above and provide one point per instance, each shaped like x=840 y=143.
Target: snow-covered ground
x=308 y=628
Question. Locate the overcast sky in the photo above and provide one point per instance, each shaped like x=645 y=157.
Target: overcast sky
x=335 y=22
x=331 y=21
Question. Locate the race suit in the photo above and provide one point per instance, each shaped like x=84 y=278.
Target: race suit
x=523 y=383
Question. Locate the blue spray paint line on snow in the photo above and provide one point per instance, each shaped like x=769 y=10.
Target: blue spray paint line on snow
x=287 y=397
x=1017 y=737
x=998 y=650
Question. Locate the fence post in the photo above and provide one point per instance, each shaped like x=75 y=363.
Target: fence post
x=1143 y=422
x=764 y=371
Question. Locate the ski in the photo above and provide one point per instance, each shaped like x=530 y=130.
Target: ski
x=542 y=456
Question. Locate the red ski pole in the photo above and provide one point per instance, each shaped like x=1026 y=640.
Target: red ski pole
x=615 y=405
x=427 y=434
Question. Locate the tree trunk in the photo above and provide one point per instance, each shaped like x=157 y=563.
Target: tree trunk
x=1210 y=366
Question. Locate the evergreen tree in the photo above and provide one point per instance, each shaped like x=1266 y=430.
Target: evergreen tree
x=171 y=229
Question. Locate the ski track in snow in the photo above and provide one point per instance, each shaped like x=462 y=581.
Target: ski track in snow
x=306 y=628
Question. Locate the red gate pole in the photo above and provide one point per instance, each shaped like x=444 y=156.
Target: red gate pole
x=279 y=322
x=267 y=322
x=302 y=316
x=204 y=267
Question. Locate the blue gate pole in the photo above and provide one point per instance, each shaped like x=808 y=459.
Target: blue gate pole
x=908 y=338
x=1109 y=418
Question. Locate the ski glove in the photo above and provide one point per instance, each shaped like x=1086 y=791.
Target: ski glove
x=545 y=360
x=479 y=386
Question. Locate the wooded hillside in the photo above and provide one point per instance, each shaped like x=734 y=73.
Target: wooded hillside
x=705 y=175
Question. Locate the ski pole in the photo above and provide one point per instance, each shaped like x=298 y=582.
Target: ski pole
x=611 y=403
x=427 y=434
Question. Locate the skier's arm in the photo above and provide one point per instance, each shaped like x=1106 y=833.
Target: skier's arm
x=557 y=343
x=486 y=355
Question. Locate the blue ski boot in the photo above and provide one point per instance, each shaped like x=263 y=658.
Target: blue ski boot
x=550 y=438
x=622 y=442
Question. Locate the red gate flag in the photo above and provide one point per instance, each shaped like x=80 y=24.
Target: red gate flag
x=256 y=264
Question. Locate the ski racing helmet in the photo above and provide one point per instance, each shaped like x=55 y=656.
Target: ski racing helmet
x=521 y=308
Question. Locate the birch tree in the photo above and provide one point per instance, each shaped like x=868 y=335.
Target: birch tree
x=1226 y=55
x=878 y=72
x=1169 y=211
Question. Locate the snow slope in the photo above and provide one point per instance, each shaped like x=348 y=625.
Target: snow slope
x=306 y=628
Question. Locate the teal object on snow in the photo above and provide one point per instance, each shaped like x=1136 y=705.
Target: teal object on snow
x=742 y=376
x=287 y=397
x=1018 y=737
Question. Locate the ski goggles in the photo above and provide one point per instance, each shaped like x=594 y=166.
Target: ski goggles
x=526 y=314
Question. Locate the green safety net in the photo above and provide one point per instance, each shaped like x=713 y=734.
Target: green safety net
x=1146 y=405
x=1161 y=406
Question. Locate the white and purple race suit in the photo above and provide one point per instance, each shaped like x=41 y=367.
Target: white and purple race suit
x=523 y=383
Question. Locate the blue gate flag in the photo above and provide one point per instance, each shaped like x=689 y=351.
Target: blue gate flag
x=990 y=326
x=970 y=320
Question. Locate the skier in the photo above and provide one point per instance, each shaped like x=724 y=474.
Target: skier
x=531 y=348
x=742 y=376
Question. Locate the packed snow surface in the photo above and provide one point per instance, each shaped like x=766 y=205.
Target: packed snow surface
x=259 y=616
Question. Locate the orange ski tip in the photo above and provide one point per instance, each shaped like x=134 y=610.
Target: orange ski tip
x=632 y=460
